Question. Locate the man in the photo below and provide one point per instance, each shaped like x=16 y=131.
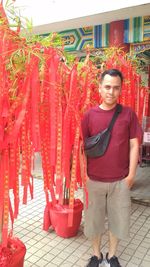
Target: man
x=112 y=175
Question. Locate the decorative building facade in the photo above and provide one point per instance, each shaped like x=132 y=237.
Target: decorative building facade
x=128 y=31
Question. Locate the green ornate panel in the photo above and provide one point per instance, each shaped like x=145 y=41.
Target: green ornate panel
x=147 y=28
x=77 y=39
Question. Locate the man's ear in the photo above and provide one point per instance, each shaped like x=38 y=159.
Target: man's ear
x=120 y=92
x=99 y=89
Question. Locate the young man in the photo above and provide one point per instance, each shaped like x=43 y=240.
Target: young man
x=111 y=175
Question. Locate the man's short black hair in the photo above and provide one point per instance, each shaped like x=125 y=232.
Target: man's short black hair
x=112 y=72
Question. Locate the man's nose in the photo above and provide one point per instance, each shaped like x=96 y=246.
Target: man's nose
x=111 y=91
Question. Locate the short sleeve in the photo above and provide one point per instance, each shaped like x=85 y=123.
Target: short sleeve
x=84 y=125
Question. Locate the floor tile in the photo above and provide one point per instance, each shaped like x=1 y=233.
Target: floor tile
x=48 y=249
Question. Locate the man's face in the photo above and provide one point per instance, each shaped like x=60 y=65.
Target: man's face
x=110 y=90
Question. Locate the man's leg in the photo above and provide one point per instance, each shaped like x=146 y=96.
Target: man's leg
x=118 y=207
x=111 y=259
x=95 y=219
x=97 y=258
x=96 y=243
x=113 y=242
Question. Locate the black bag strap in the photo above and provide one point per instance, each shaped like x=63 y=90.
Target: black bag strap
x=117 y=111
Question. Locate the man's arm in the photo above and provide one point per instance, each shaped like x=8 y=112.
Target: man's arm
x=83 y=163
x=133 y=161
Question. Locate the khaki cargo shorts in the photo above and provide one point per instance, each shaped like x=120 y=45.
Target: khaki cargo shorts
x=111 y=201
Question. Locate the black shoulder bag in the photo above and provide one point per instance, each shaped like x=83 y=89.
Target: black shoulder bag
x=96 y=145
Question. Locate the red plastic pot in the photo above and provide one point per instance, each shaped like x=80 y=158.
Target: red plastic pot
x=59 y=219
x=56 y=216
x=12 y=255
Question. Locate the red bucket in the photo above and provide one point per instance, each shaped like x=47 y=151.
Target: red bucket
x=12 y=255
x=59 y=219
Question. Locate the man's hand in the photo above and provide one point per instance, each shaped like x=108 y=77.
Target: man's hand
x=130 y=181
x=134 y=155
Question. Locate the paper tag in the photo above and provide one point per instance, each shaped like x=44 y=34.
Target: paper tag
x=146 y=137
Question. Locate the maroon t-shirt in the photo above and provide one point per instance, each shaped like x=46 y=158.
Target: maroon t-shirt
x=114 y=164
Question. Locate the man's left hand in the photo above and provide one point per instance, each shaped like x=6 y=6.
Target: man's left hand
x=129 y=181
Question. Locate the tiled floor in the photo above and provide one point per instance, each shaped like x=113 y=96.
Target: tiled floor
x=48 y=249
x=141 y=189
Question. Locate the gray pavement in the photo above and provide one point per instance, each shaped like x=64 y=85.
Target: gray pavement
x=48 y=249
x=140 y=192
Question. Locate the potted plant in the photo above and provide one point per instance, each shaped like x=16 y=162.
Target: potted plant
x=12 y=250
x=23 y=109
x=63 y=213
